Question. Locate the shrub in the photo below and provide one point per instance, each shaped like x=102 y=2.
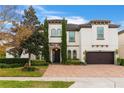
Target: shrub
x=12 y=62
x=39 y=63
x=20 y=61
x=29 y=69
x=120 y=61
x=73 y=62
x=3 y=65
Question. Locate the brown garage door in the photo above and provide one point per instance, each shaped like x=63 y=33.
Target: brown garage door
x=100 y=57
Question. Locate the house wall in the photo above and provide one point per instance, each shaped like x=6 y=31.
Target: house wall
x=74 y=45
x=89 y=38
x=70 y=45
x=121 y=45
x=54 y=39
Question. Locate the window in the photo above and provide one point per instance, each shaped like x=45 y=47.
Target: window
x=100 y=33
x=71 y=36
x=53 y=32
x=59 y=32
x=69 y=54
x=56 y=33
x=74 y=54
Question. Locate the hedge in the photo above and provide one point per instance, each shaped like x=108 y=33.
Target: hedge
x=39 y=63
x=3 y=65
x=13 y=62
x=120 y=61
x=73 y=62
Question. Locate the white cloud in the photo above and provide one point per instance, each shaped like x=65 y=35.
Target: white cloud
x=71 y=19
x=121 y=23
x=76 y=20
x=45 y=11
x=20 y=12
x=53 y=17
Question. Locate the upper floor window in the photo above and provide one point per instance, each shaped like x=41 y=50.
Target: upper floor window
x=59 y=32
x=56 y=33
x=100 y=33
x=71 y=36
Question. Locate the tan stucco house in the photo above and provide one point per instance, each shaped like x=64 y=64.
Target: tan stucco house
x=121 y=43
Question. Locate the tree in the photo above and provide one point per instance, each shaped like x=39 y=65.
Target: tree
x=30 y=18
x=64 y=43
x=24 y=30
x=2 y=51
x=21 y=33
x=46 y=44
x=34 y=44
x=7 y=15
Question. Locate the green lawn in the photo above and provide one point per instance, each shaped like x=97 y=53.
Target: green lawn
x=34 y=84
x=17 y=72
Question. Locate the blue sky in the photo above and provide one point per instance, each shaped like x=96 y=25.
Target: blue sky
x=79 y=14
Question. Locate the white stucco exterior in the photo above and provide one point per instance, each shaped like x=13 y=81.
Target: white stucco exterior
x=89 y=38
x=54 y=39
x=85 y=39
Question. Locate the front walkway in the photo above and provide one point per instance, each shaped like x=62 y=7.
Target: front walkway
x=84 y=71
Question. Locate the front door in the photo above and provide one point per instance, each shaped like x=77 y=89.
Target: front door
x=56 y=55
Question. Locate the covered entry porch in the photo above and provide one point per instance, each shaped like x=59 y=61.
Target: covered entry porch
x=55 y=53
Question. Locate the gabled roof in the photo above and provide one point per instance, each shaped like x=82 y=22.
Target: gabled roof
x=121 y=32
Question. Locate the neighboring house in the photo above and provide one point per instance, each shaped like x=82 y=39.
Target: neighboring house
x=94 y=43
x=121 y=43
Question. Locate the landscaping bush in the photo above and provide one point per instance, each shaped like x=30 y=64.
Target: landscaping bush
x=120 y=61
x=21 y=61
x=12 y=62
x=39 y=63
x=29 y=69
x=73 y=62
x=3 y=65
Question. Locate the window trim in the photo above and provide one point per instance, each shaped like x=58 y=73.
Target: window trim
x=56 y=31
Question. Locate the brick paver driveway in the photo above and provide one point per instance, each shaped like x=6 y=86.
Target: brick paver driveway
x=84 y=71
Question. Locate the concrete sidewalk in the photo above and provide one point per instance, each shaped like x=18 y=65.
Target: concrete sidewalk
x=80 y=82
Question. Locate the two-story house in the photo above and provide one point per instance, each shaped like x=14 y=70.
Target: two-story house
x=95 y=42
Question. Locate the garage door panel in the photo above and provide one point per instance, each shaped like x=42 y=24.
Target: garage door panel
x=100 y=57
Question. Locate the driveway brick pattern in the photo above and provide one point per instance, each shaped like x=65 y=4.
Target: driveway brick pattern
x=84 y=71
